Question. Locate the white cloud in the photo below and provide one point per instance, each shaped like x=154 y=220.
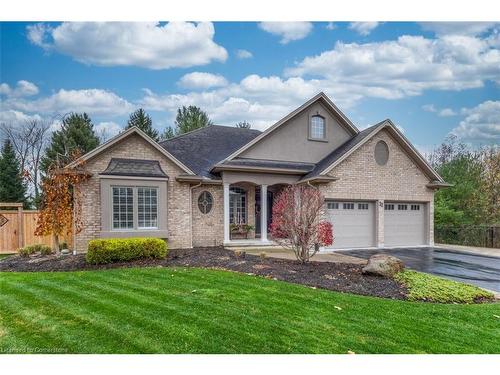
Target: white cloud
x=429 y=108
x=406 y=66
x=288 y=31
x=16 y=117
x=482 y=124
x=259 y=100
x=444 y=112
x=202 y=80
x=107 y=129
x=92 y=101
x=363 y=28
x=458 y=28
x=330 y=26
x=243 y=54
x=23 y=88
x=145 y=44
x=447 y=112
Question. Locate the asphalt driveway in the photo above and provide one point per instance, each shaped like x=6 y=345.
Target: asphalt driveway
x=480 y=270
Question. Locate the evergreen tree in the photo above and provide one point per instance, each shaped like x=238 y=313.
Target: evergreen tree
x=76 y=135
x=168 y=133
x=12 y=188
x=189 y=119
x=142 y=120
x=243 y=124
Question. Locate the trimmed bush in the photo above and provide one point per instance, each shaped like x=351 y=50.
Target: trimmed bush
x=32 y=249
x=46 y=250
x=126 y=249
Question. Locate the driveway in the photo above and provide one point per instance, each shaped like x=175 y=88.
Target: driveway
x=478 y=269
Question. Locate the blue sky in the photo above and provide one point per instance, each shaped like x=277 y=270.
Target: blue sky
x=431 y=79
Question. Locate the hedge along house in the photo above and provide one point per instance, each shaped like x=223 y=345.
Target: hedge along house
x=201 y=188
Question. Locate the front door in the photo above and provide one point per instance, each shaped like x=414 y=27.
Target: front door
x=257 y=210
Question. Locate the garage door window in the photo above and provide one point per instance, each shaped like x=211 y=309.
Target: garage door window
x=415 y=207
x=402 y=207
x=333 y=205
x=362 y=206
x=348 y=206
x=389 y=207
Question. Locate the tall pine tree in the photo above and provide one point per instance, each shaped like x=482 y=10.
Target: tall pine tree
x=143 y=121
x=190 y=118
x=12 y=188
x=76 y=135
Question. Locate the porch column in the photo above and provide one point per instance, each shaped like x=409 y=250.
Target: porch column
x=263 y=212
x=226 y=213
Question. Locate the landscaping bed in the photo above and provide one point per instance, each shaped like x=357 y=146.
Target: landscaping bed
x=342 y=277
x=334 y=276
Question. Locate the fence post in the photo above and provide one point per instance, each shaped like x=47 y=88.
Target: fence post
x=20 y=225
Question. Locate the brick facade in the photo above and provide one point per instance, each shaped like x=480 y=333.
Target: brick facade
x=208 y=229
x=361 y=178
x=134 y=146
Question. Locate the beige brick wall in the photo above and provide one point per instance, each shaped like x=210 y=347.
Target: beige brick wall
x=134 y=146
x=360 y=177
x=208 y=229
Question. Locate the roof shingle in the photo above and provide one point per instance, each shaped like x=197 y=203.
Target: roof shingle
x=134 y=167
x=201 y=149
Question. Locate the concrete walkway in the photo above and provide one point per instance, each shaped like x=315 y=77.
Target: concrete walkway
x=279 y=252
x=487 y=251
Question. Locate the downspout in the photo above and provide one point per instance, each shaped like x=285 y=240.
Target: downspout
x=191 y=188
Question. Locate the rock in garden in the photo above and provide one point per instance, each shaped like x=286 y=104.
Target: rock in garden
x=383 y=265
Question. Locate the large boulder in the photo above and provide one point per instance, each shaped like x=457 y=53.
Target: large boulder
x=383 y=265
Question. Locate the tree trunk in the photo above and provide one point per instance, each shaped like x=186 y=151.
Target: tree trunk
x=57 y=246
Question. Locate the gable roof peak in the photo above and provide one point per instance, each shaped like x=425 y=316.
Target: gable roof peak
x=344 y=121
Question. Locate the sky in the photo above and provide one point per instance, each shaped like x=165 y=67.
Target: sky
x=430 y=79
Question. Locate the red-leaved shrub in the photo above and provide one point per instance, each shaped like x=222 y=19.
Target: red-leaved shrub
x=296 y=221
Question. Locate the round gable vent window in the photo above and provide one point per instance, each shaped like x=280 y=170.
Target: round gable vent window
x=381 y=153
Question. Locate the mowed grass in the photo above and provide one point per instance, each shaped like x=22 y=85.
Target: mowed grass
x=177 y=310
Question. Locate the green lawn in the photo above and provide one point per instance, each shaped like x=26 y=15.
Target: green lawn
x=4 y=255
x=166 y=310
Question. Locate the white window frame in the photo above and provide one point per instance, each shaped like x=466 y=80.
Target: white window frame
x=135 y=208
x=155 y=189
x=312 y=126
x=238 y=205
x=120 y=228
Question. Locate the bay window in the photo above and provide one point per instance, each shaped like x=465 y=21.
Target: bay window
x=134 y=207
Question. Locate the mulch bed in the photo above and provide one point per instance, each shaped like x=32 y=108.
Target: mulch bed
x=340 y=277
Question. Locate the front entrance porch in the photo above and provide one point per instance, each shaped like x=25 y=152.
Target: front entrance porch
x=247 y=205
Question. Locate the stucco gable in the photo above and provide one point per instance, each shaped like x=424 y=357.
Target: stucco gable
x=289 y=138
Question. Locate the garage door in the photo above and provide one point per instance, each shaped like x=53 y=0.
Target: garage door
x=353 y=224
x=405 y=224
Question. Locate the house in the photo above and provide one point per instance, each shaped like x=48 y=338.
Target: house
x=379 y=190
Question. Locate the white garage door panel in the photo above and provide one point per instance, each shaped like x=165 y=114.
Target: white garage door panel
x=405 y=227
x=352 y=227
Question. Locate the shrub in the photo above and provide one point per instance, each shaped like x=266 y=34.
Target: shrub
x=32 y=249
x=126 y=249
x=46 y=250
x=425 y=287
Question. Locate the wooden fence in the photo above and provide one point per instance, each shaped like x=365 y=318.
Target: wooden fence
x=18 y=228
